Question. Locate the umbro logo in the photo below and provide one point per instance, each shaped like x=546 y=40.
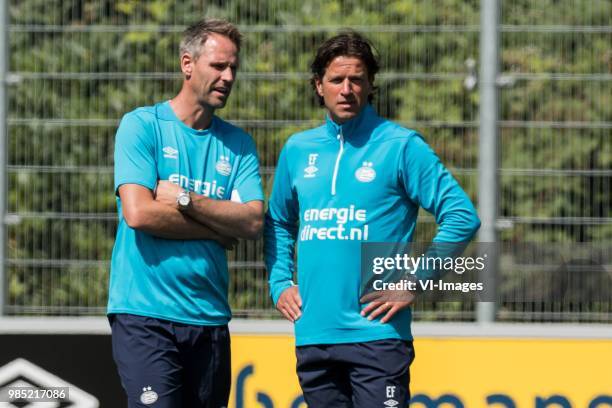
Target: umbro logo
x=311 y=170
x=170 y=152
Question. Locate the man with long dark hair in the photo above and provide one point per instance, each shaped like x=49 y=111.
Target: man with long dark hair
x=357 y=178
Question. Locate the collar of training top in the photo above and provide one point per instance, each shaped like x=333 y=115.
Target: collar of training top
x=360 y=125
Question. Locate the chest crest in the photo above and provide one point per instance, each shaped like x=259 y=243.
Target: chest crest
x=223 y=166
x=366 y=172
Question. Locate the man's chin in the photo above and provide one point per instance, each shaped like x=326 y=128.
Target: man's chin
x=346 y=115
x=217 y=103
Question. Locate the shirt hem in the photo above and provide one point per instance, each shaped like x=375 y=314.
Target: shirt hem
x=131 y=181
x=310 y=341
x=219 y=322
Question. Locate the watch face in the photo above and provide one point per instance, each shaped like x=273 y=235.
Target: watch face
x=184 y=200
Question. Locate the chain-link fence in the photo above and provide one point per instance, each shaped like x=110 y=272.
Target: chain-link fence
x=77 y=66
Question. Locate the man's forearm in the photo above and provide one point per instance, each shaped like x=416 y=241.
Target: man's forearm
x=142 y=212
x=227 y=217
x=165 y=222
x=279 y=254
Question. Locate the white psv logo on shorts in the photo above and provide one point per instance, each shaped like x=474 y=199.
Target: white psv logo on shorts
x=223 y=166
x=311 y=170
x=170 y=152
x=148 y=396
x=365 y=173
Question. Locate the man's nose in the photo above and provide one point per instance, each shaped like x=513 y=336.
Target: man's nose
x=346 y=87
x=228 y=75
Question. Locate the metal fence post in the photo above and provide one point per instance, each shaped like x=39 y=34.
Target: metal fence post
x=4 y=69
x=488 y=157
x=4 y=64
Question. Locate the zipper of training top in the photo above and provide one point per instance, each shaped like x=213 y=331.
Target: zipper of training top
x=335 y=176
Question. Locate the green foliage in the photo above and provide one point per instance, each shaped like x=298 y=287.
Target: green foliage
x=83 y=64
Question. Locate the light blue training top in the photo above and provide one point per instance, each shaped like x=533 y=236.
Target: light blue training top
x=336 y=187
x=179 y=280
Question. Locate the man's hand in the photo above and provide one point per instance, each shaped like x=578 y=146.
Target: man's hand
x=382 y=301
x=167 y=192
x=227 y=242
x=290 y=303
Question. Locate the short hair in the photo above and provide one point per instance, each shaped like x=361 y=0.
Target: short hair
x=196 y=35
x=346 y=44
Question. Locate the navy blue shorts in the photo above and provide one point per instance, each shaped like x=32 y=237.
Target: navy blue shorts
x=357 y=375
x=164 y=364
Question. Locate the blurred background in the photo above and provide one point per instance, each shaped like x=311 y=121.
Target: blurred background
x=514 y=96
x=74 y=67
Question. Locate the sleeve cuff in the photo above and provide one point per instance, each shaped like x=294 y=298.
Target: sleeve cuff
x=279 y=288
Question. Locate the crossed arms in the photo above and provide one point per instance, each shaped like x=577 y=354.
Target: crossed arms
x=158 y=214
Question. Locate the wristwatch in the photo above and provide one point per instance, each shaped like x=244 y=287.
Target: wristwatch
x=183 y=199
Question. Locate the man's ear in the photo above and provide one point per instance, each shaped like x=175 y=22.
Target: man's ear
x=187 y=62
x=319 y=86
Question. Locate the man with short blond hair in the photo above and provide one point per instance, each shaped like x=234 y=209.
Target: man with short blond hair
x=187 y=185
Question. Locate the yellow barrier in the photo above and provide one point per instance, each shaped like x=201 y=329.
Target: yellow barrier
x=448 y=373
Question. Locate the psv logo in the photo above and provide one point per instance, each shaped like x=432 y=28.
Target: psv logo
x=223 y=166
x=148 y=396
x=365 y=173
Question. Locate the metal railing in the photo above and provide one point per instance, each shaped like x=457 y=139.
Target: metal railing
x=75 y=67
